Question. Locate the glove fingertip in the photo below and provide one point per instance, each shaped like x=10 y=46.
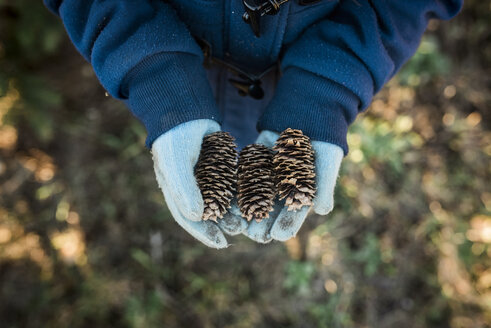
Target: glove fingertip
x=219 y=242
x=206 y=232
x=281 y=236
x=288 y=223
x=209 y=234
x=259 y=238
x=282 y=233
x=232 y=224
x=259 y=231
x=221 y=245
x=322 y=209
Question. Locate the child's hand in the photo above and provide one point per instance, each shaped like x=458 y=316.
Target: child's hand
x=283 y=224
x=175 y=154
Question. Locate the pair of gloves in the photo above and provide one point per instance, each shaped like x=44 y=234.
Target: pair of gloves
x=175 y=154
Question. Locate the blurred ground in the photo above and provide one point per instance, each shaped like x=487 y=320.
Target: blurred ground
x=86 y=241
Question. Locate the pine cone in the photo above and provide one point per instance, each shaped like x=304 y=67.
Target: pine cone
x=216 y=173
x=294 y=169
x=256 y=189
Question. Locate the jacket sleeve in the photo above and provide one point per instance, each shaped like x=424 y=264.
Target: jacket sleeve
x=144 y=55
x=332 y=71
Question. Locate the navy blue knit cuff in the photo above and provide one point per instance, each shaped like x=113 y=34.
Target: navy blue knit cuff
x=168 y=89
x=321 y=108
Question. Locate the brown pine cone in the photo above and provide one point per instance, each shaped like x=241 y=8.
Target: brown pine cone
x=256 y=190
x=216 y=173
x=294 y=169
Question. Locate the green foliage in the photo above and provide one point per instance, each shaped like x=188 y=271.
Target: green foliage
x=427 y=63
x=299 y=276
x=29 y=29
x=369 y=255
x=144 y=311
x=382 y=144
x=37 y=100
x=128 y=143
x=331 y=314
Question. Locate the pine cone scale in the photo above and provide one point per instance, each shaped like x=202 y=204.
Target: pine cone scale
x=294 y=169
x=216 y=174
x=256 y=187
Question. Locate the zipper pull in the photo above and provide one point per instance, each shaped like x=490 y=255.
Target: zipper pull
x=254 y=9
x=252 y=15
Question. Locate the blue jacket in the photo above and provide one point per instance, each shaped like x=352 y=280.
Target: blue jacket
x=335 y=55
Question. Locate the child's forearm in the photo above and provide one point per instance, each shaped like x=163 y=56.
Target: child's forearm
x=142 y=54
x=333 y=70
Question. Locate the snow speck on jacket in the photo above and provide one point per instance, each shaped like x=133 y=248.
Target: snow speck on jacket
x=335 y=55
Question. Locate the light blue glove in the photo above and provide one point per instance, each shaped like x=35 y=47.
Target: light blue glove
x=175 y=154
x=283 y=224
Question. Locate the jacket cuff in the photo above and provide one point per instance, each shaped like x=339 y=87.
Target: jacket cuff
x=321 y=108
x=168 y=89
